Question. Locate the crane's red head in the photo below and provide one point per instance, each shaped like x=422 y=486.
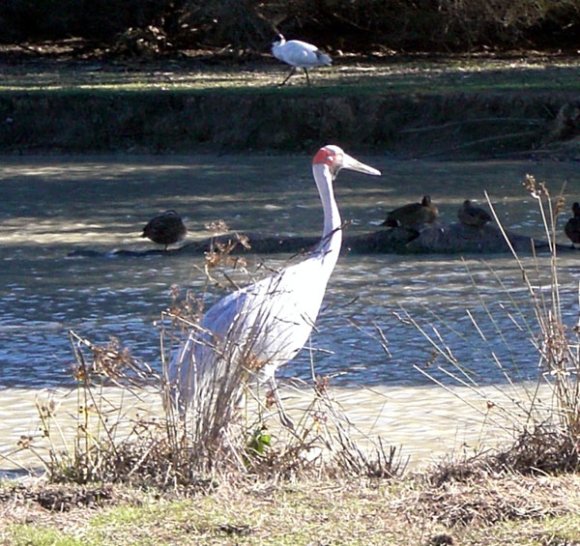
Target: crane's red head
x=335 y=159
x=331 y=156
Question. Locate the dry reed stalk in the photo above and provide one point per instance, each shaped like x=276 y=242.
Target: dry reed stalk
x=555 y=343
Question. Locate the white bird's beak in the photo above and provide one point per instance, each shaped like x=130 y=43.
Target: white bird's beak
x=353 y=164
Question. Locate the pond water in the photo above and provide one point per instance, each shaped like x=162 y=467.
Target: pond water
x=476 y=309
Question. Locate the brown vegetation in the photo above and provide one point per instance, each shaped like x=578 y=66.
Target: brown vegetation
x=137 y=28
x=454 y=124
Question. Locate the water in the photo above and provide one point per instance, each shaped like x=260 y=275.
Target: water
x=50 y=206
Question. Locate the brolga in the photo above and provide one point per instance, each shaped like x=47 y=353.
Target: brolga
x=166 y=228
x=471 y=215
x=572 y=227
x=258 y=328
x=299 y=54
x=413 y=215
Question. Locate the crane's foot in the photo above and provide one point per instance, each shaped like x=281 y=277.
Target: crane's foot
x=285 y=420
x=274 y=396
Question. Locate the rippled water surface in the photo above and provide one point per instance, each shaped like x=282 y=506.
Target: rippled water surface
x=51 y=206
x=475 y=308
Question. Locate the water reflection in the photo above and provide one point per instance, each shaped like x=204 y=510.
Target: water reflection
x=49 y=206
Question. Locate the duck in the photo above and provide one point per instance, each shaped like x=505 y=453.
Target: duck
x=471 y=215
x=572 y=227
x=166 y=228
x=413 y=215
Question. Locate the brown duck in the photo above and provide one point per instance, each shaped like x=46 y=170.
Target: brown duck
x=470 y=215
x=413 y=215
x=165 y=229
x=572 y=227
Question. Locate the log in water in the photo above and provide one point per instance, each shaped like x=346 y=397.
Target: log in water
x=436 y=238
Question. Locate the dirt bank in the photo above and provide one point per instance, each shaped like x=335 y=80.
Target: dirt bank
x=475 y=126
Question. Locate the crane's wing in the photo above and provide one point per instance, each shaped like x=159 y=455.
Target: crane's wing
x=255 y=329
x=268 y=322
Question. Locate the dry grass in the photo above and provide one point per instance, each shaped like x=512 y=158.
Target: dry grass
x=541 y=452
x=361 y=511
x=546 y=428
x=484 y=500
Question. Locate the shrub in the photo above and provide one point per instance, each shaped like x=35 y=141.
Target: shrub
x=358 y=25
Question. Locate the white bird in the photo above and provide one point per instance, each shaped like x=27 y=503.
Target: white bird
x=299 y=54
x=264 y=325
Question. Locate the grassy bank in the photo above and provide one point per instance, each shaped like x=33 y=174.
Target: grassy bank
x=456 y=107
x=475 y=511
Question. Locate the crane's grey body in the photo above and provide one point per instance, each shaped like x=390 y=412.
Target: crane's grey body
x=261 y=327
x=264 y=325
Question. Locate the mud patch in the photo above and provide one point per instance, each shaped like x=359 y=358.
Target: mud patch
x=56 y=498
x=491 y=501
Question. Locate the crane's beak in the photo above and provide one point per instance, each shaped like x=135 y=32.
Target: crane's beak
x=353 y=164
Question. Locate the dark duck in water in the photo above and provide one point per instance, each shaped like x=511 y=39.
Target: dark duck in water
x=413 y=215
x=470 y=215
x=572 y=227
x=165 y=229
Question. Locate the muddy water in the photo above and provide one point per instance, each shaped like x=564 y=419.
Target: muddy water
x=423 y=423
x=471 y=311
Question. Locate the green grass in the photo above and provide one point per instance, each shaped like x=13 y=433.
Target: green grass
x=291 y=516
x=470 y=76
x=564 y=529
x=34 y=535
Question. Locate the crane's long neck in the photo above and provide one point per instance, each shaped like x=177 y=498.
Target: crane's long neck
x=332 y=233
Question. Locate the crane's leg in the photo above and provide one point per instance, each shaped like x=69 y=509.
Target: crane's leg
x=284 y=419
x=307 y=77
x=292 y=70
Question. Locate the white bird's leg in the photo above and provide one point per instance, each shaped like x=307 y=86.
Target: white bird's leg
x=307 y=77
x=292 y=70
x=284 y=419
